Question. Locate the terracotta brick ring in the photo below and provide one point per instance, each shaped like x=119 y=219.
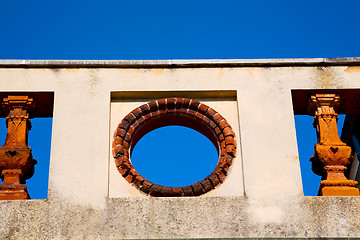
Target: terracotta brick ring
x=173 y=111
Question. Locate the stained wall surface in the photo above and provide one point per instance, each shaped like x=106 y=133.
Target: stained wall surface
x=262 y=195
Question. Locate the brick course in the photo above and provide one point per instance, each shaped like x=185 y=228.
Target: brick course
x=196 y=115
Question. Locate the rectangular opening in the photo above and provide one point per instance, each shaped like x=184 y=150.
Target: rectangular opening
x=222 y=101
x=348 y=114
x=39 y=138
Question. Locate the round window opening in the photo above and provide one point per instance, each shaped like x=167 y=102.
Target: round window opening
x=168 y=112
x=174 y=156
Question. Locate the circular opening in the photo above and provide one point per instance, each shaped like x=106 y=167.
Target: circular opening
x=174 y=156
x=169 y=112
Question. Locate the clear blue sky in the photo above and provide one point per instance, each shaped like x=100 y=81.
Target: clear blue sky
x=176 y=30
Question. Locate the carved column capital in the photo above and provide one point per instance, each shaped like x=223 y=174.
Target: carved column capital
x=323 y=104
x=13 y=102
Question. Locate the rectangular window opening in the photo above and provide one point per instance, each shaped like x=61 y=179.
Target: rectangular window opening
x=39 y=138
x=222 y=101
x=348 y=126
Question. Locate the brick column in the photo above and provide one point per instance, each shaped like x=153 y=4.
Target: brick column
x=331 y=154
x=16 y=162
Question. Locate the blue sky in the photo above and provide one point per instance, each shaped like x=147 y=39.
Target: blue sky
x=176 y=30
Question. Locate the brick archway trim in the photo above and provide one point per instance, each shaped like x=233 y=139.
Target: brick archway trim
x=173 y=111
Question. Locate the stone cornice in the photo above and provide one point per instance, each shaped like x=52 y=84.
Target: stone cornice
x=180 y=63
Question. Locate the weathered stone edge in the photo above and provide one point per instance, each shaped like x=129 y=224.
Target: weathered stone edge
x=180 y=63
x=56 y=219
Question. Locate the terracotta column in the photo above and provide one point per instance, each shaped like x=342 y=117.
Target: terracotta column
x=331 y=154
x=16 y=162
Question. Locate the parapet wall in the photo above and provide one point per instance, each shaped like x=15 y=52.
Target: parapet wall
x=261 y=196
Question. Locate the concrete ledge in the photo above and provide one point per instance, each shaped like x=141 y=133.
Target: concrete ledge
x=183 y=63
x=179 y=218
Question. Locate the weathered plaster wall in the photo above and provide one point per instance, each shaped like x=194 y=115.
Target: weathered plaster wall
x=164 y=218
x=263 y=196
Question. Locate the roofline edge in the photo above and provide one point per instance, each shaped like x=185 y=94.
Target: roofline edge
x=179 y=63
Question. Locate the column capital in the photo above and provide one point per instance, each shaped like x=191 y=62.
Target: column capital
x=323 y=104
x=14 y=101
